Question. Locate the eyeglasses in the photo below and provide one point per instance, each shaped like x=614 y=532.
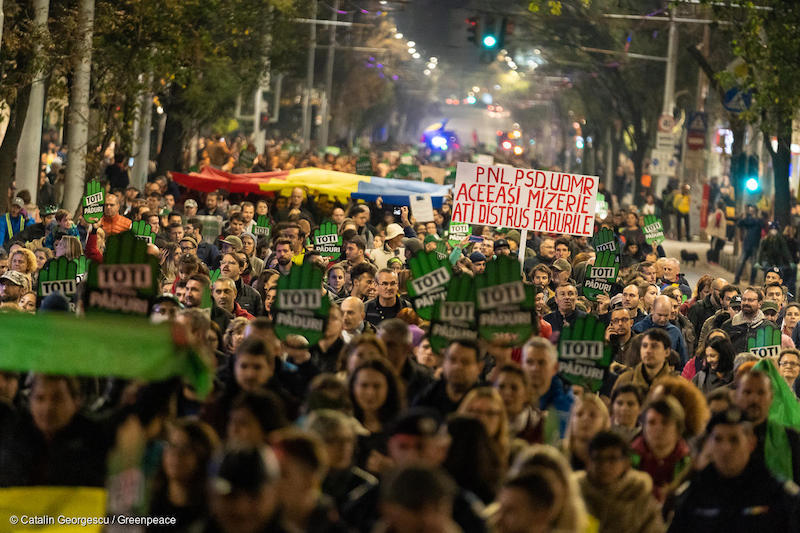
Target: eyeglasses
x=621 y=320
x=790 y=364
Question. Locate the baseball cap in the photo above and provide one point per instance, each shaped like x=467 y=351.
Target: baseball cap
x=736 y=302
x=616 y=301
x=562 y=265
x=393 y=230
x=189 y=203
x=729 y=417
x=412 y=244
x=769 y=306
x=17 y=278
x=500 y=243
x=18 y=202
x=167 y=297
x=244 y=470
x=431 y=238
x=234 y=241
x=49 y=210
x=417 y=421
x=774 y=270
x=477 y=257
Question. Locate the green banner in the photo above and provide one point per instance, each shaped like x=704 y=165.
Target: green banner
x=454 y=317
x=653 y=230
x=99 y=345
x=505 y=304
x=602 y=275
x=457 y=232
x=93 y=202
x=583 y=354
x=301 y=306
x=328 y=242
x=428 y=283
x=58 y=275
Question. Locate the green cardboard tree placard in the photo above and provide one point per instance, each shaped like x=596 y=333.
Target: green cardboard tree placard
x=364 y=166
x=601 y=207
x=653 y=230
x=505 y=304
x=262 y=226
x=82 y=264
x=58 y=275
x=764 y=341
x=457 y=232
x=126 y=281
x=428 y=283
x=93 y=202
x=328 y=242
x=605 y=241
x=583 y=354
x=301 y=306
x=601 y=276
x=454 y=317
x=143 y=231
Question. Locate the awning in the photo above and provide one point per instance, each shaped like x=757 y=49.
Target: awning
x=340 y=185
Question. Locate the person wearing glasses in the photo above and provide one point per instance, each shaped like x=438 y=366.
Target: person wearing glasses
x=789 y=368
x=388 y=302
x=618 y=333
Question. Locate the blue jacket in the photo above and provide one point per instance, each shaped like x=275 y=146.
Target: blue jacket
x=678 y=342
x=752 y=232
x=17 y=225
x=560 y=397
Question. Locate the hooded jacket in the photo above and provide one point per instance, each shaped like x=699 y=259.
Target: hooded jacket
x=625 y=506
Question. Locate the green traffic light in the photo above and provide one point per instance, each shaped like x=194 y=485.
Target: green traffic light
x=489 y=41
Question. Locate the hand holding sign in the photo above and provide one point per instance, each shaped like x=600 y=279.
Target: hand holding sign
x=583 y=354
x=328 y=242
x=601 y=275
x=301 y=307
x=428 y=283
x=505 y=303
x=262 y=226
x=58 y=275
x=765 y=341
x=143 y=231
x=93 y=201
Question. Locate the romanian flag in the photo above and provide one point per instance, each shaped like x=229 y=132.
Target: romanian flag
x=340 y=185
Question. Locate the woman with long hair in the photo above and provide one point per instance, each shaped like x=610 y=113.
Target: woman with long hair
x=234 y=334
x=791 y=317
x=486 y=404
x=717 y=369
x=701 y=290
x=179 y=488
x=365 y=346
x=69 y=247
x=471 y=457
x=589 y=416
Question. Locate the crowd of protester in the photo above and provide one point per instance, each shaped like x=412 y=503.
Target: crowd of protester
x=371 y=429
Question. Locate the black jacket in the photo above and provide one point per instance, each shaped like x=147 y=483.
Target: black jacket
x=249 y=299
x=700 y=312
x=752 y=502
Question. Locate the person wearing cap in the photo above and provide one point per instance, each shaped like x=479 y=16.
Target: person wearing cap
x=243 y=488
x=39 y=230
x=770 y=310
x=501 y=248
x=13 y=222
x=165 y=308
x=188 y=245
x=207 y=252
x=13 y=285
x=189 y=209
x=112 y=222
x=231 y=243
x=478 y=262
x=735 y=492
x=773 y=275
x=430 y=242
x=562 y=271
x=392 y=246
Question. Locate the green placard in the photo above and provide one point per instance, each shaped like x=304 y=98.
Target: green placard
x=143 y=231
x=328 y=242
x=364 y=166
x=93 y=202
x=653 y=230
x=58 y=275
x=428 y=283
x=454 y=317
x=126 y=281
x=605 y=241
x=583 y=354
x=764 y=341
x=601 y=276
x=505 y=304
x=333 y=150
x=301 y=306
x=411 y=172
x=82 y=264
x=601 y=206
x=457 y=232
x=262 y=227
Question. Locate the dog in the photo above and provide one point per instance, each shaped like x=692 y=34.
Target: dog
x=689 y=257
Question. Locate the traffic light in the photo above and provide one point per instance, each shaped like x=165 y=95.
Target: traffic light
x=745 y=169
x=473 y=25
x=489 y=35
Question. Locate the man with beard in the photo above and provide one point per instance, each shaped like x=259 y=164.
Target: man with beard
x=739 y=326
x=461 y=370
x=192 y=297
x=13 y=285
x=283 y=256
x=231 y=266
x=754 y=396
x=362 y=277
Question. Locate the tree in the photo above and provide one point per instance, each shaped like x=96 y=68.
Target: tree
x=766 y=36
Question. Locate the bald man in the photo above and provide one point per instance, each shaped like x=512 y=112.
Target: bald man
x=353 y=317
x=705 y=308
x=659 y=318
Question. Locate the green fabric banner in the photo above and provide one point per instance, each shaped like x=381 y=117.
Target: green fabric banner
x=126 y=347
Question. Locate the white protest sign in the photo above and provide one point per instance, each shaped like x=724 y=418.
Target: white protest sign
x=536 y=200
x=421 y=207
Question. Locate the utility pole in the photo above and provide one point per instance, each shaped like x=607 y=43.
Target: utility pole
x=329 y=80
x=141 y=135
x=30 y=141
x=312 y=44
